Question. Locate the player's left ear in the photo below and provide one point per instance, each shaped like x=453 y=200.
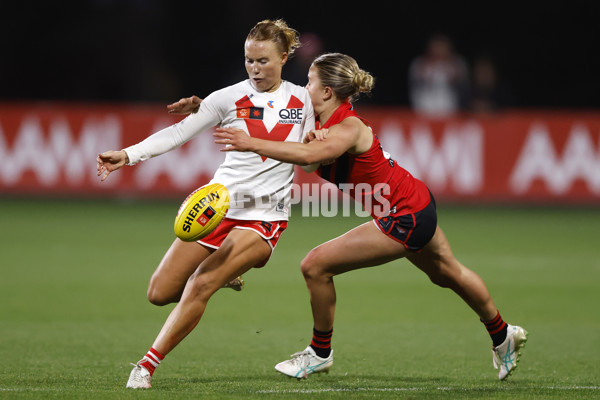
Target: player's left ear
x=327 y=93
x=284 y=58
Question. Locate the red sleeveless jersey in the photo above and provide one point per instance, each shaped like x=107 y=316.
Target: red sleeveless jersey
x=373 y=178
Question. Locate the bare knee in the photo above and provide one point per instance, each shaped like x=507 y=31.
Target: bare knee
x=312 y=266
x=158 y=300
x=445 y=273
x=159 y=295
x=438 y=262
x=440 y=276
x=202 y=286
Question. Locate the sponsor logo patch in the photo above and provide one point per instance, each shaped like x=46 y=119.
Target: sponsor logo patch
x=250 y=113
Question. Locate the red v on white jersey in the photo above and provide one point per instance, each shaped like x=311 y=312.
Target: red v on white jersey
x=256 y=127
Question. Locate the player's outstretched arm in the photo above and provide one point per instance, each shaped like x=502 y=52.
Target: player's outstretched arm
x=314 y=152
x=185 y=106
x=110 y=161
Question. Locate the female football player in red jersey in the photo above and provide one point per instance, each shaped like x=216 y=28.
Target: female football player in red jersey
x=191 y=272
x=404 y=212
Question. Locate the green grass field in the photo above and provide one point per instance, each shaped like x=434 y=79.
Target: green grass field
x=73 y=311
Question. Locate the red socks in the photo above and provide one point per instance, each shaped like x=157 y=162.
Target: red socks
x=151 y=360
x=497 y=329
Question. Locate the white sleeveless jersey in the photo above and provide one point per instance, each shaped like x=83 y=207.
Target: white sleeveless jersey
x=260 y=188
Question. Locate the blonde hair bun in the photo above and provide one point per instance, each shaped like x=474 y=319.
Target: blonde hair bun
x=342 y=74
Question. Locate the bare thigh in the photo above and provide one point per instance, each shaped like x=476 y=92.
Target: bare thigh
x=178 y=264
x=241 y=250
x=362 y=247
x=436 y=258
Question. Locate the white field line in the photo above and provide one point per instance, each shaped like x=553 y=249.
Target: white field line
x=325 y=390
x=400 y=389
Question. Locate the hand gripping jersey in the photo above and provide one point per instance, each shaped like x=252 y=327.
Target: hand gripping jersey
x=259 y=187
x=373 y=178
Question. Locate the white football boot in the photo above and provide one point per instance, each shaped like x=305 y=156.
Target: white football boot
x=305 y=363
x=139 y=377
x=506 y=355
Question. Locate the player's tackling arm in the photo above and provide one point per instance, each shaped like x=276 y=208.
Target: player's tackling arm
x=340 y=138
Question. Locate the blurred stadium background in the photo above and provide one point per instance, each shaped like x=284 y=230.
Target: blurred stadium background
x=83 y=77
x=518 y=187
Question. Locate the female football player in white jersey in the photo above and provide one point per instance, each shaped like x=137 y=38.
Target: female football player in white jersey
x=264 y=106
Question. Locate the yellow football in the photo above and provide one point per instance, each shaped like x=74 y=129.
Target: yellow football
x=201 y=212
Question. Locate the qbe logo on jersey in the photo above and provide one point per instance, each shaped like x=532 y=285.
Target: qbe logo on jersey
x=290 y=116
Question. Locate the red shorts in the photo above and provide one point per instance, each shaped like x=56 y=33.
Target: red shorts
x=270 y=231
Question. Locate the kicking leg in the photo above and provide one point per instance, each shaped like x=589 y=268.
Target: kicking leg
x=240 y=251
